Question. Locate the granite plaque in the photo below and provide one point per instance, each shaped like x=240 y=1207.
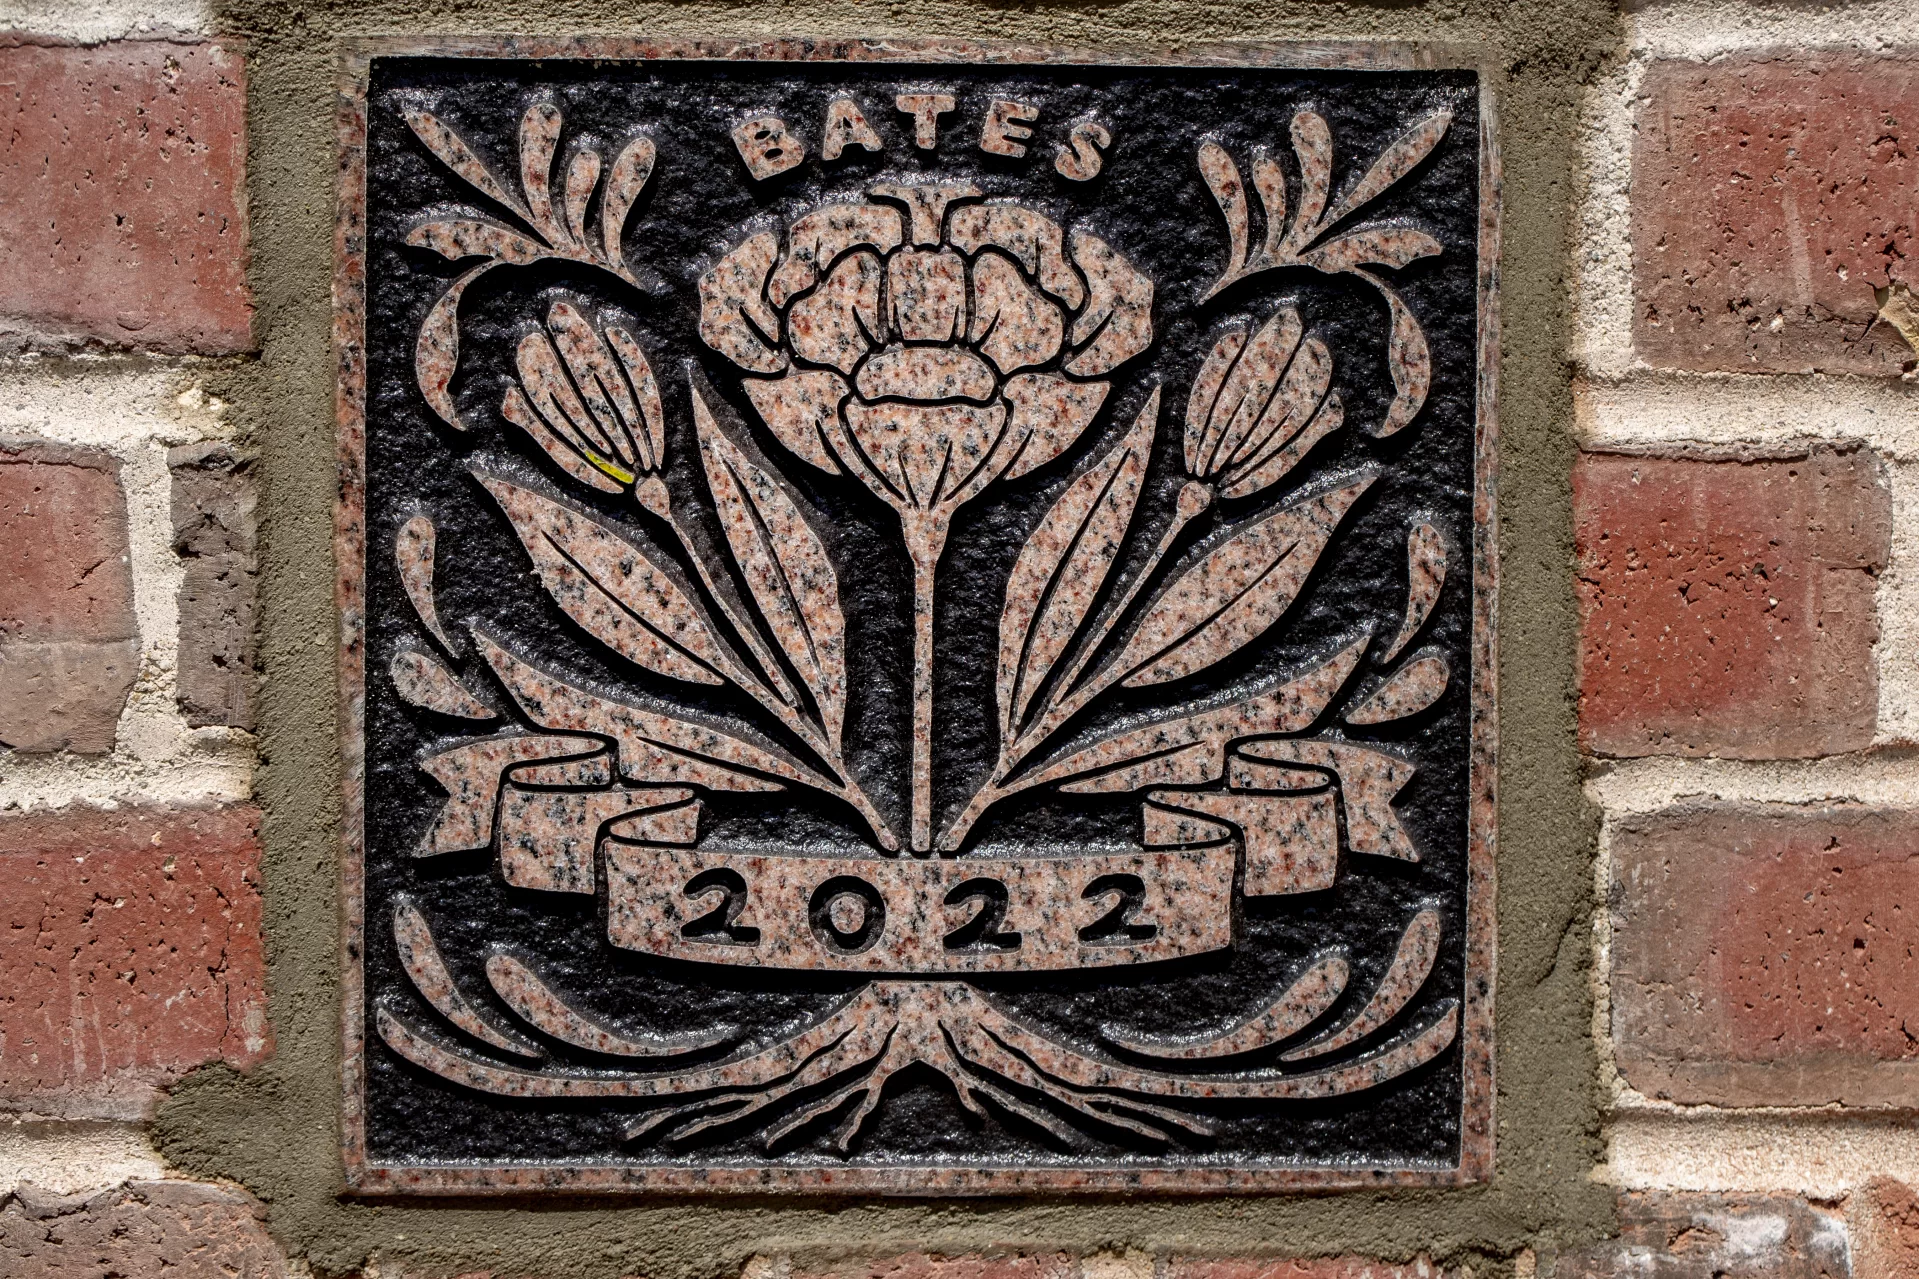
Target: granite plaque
x=916 y=617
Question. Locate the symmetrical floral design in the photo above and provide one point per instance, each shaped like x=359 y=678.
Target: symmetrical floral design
x=927 y=348
x=926 y=341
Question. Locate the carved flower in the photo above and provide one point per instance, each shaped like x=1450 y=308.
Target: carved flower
x=1259 y=405
x=932 y=347
x=589 y=401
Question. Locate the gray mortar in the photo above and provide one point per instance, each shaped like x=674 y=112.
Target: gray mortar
x=276 y=1130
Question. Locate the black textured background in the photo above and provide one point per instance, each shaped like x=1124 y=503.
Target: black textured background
x=1150 y=204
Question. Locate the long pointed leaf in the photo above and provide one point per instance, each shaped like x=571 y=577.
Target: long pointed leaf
x=1063 y=565
x=784 y=564
x=1233 y=593
x=1190 y=749
x=612 y=587
x=657 y=746
x=1395 y=162
x=1392 y=247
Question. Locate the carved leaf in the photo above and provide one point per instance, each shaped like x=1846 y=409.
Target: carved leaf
x=1234 y=592
x=1063 y=565
x=458 y=156
x=1271 y=185
x=1410 y=361
x=456 y=238
x=1410 y=690
x=1313 y=145
x=657 y=746
x=1190 y=749
x=582 y=175
x=623 y=186
x=539 y=138
x=1395 y=162
x=784 y=564
x=612 y=586
x=436 y=352
x=1222 y=178
x=1375 y=246
x=1425 y=574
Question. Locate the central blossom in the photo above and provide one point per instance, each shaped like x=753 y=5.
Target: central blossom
x=929 y=345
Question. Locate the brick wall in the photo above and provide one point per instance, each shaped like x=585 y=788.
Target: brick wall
x=1748 y=585
x=1746 y=515
x=132 y=946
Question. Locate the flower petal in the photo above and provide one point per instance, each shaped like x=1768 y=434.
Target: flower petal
x=925 y=451
x=834 y=323
x=799 y=409
x=600 y=385
x=1031 y=237
x=731 y=295
x=1049 y=413
x=652 y=435
x=1205 y=394
x=926 y=290
x=815 y=242
x=1119 y=309
x=1310 y=374
x=1013 y=325
x=1249 y=387
x=926 y=373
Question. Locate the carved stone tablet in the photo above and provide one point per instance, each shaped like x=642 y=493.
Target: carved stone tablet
x=916 y=618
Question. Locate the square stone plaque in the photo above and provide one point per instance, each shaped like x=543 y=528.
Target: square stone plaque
x=916 y=617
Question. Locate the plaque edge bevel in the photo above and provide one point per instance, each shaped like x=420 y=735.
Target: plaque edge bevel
x=366 y=1177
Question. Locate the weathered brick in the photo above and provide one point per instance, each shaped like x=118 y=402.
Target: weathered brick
x=1727 y=607
x=1767 y=956
x=1885 y=1231
x=122 y=196
x=1315 y=1268
x=144 y=1230
x=1665 y=1235
x=1773 y=193
x=69 y=646
x=213 y=533
x=132 y=953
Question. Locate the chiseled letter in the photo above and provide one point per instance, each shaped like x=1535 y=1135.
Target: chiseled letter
x=926 y=109
x=767 y=147
x=1082 y=163
x=1005 y=127
x=846 y=126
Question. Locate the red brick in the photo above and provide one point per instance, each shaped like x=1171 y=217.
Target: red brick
x=1702 y=1236
x=1315 y=1268
x=1727 y=607
x=1768 y=956
x=69 y=646
x=132 y=953
x=145 y=1230
x=1772 y=194
x=1885 y=1231
x=122 y=196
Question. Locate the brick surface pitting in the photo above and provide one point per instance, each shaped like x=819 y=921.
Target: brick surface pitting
x=1768 y=956
x=1727 y=607
x=122 y=208
x=1772 y=194
x=213 y=533
x=1704 y=1236
x=132 y=952
x=69 y=647
x=144 y=1230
